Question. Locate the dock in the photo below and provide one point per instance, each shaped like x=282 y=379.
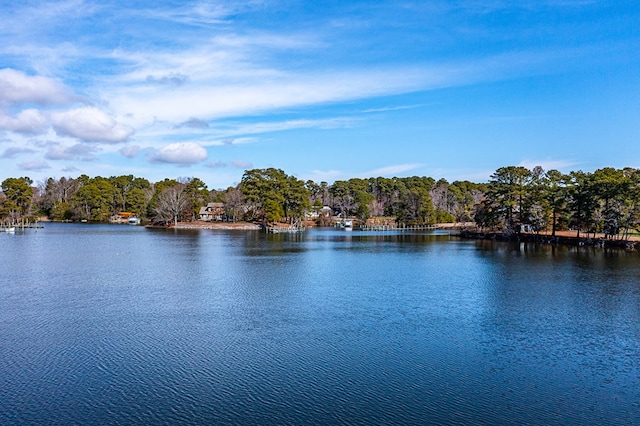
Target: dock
x=283 y=229
x=400 y=228
x=20 y=226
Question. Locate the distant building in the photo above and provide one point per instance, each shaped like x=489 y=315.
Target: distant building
x=124 y=217
x=212 y=212
x=323 y=212
x=526 y=228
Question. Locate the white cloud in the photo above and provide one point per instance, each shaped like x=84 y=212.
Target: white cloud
x=395 y=108
x=194 y=123
x=277 y=126
x=13 y=151
x=30 y=121
x=34 y=165
x=18 y=88
x=331 y=176
x=202 y=13
x=548 y=164
x=180 y=153
x=391 y=171
x=250 y=95
x=90 y=124
x=171 y=79
x=229 y=84
x=239 y=164
x=130 y=151
x=82 y=152
x=30 y=17
x=70 y=169
x=216 y=164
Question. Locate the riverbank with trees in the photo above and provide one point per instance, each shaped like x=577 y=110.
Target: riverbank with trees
x=515 y=203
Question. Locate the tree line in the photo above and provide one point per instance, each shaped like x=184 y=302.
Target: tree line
x=515 y=197
x=605 y=201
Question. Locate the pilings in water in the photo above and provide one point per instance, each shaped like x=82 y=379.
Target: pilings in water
x=283 y=229
x=399 y=228
x=22 y=225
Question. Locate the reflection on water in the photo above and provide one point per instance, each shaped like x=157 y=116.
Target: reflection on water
x=126 y=325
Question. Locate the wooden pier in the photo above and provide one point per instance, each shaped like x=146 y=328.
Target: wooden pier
x=284 y=229
x=399 y=228
x=20 y=226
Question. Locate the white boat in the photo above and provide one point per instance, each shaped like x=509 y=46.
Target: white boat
x=8 y=229
x=134 y=220
x=347 y=225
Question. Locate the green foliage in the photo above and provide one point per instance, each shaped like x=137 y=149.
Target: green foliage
x=555 y=195
x=273 y=196
x=136 y=201
x=197 y=195
x=61 y=211
x=607 y=200
x=124 y=186
x=18 y=196
x=443 y=216
x=507 y=193
x=96 y=200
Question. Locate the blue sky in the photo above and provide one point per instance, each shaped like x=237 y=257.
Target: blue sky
x=323 y=90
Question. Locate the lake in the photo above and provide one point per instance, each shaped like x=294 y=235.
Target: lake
x=109 y=324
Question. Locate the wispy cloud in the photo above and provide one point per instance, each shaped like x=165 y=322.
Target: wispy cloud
x=12 y=152
x=484 y=6
x=193 y=123
x=70 y=169
x=199 y=13
x=82 y=152
x=32 y=17
x=129 y=151
x=391 y=171
x=216 y=164
x=242 y=88
x=172 y=79
x=238 y=164
x=548 y=164
x=392 y=108
x=35 y=165
x=234 y=129
x=330 y=176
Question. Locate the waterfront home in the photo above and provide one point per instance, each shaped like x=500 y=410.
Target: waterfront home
x=212 y=212
x=123 y=217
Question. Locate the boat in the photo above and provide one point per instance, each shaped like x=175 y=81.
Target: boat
x=347 y=225
x=134 y=220
x=8 y=229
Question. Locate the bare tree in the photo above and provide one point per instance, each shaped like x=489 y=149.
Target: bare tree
x=234 y=204
x=171 y=202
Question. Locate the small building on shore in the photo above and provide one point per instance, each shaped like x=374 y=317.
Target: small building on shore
x=125 y=217
x=212 y=212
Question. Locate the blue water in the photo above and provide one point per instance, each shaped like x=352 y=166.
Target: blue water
x=106 y=324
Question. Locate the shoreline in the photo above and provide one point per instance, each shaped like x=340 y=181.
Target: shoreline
x=631 y=244
x=561 y=238
x=245 y=226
